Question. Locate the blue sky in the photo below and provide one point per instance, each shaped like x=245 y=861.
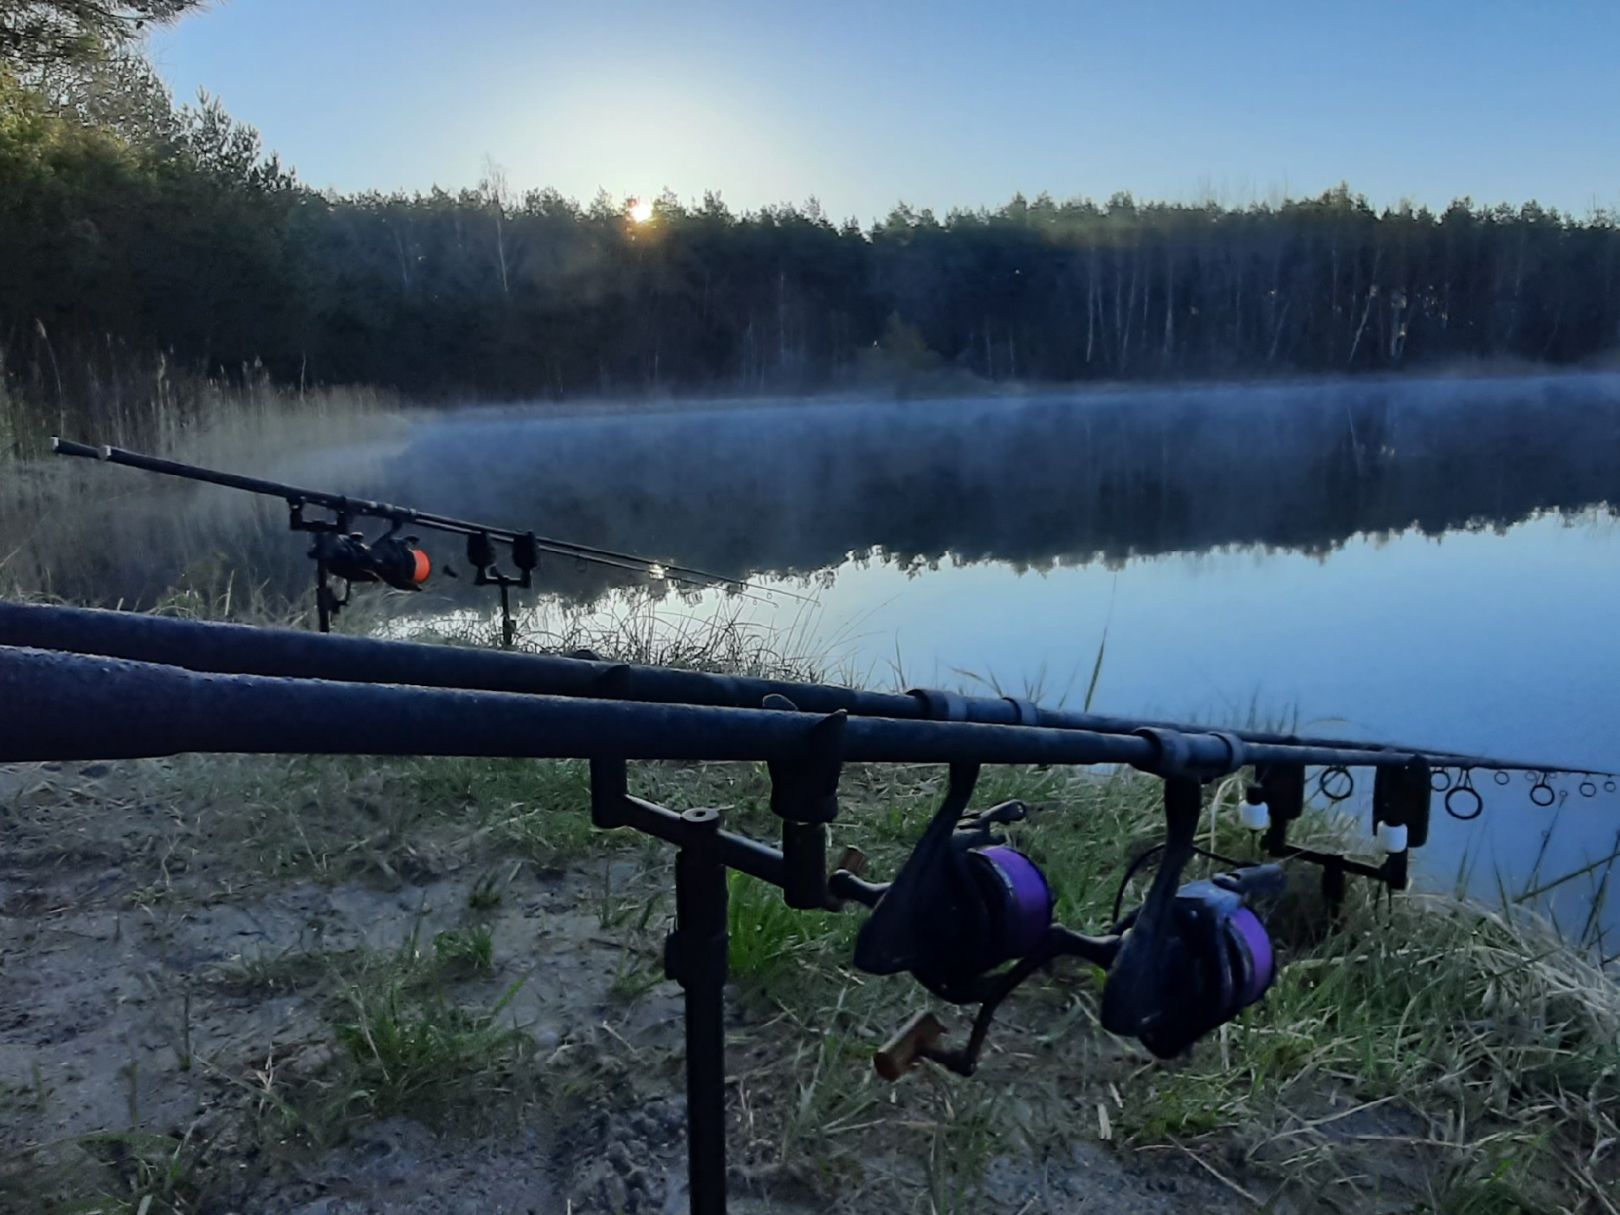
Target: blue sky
x=938 y=103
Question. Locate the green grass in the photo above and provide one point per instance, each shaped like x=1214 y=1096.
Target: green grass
x=405 y=1041
x=465 y=951
x=340 y=817
x=159 y=1174
x=410 y=1030
x=489 y=890
x=421 y=1056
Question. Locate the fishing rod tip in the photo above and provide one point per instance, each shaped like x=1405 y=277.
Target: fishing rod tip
x=67 y=447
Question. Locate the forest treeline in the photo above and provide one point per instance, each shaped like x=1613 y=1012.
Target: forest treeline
x=132 y=231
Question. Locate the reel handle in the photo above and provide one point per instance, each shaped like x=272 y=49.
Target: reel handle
x=913 y=1042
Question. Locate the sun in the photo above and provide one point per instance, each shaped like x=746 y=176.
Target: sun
x=641 y=210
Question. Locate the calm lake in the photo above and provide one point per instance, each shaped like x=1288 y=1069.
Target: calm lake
x=1435 y=561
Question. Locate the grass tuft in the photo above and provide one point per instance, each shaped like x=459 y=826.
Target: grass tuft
x=465 y=951
x=418 y=1056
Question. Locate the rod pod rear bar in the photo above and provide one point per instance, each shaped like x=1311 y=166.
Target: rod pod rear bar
x=242 y=649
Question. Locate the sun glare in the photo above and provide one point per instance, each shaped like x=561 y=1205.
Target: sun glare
x=641 y=210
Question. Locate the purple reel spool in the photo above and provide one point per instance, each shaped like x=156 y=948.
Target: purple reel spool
x=1252 y=939
x=1028 y=898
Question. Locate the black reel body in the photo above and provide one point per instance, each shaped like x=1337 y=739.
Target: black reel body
x=1212 y=960
x=962 y=905
x=395 y=561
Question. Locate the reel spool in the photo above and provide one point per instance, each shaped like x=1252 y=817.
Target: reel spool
x=1018 y=900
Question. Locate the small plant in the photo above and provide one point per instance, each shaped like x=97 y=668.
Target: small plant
x=486 y=892
x=161 y=1174
x=465 y=951
x=634 y=978
x=417 y=1056
x=276 y=974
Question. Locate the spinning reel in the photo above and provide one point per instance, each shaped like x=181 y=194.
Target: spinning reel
x=965 y=905
x=396 y=561
x=391 y=559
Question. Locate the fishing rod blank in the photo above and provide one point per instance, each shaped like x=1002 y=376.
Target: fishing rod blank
x=234 y=648
x=56 y=705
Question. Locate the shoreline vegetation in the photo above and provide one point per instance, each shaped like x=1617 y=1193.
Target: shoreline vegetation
x=457 y=962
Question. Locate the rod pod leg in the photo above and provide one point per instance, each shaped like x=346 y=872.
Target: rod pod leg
x=695 y=956
x=323 y=597
x=508 y=625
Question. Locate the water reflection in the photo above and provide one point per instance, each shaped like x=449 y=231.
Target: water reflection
x=1037 y=482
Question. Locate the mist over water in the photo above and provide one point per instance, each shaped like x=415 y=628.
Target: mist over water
x=794 y=489
x=1436 y=560
x=1034 y=482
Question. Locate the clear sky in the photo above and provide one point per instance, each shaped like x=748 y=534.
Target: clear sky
x=935 y=102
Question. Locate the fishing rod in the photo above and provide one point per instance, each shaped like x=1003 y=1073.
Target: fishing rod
x=330 y=717
x=396 y=560
x=243 y=649
x=1191 y=957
